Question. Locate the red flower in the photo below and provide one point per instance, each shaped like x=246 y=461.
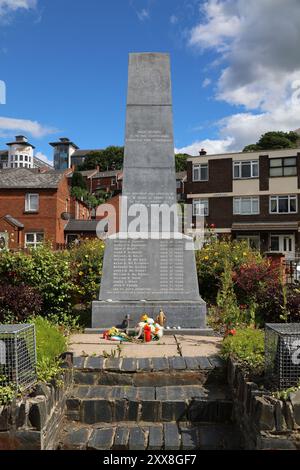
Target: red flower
x=232 y=332
x=212 y=226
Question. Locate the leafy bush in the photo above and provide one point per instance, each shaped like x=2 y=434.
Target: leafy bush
x=211 y=262
x=7 y=392
x=46 y=270
x=50 y=343
x=86 y=266
x=18 y=302
x=247 y=347
x=226 y=298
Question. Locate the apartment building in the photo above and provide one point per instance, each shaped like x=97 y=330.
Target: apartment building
x=253 y=196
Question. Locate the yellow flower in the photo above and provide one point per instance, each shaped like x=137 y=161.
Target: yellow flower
x=81 y=273
x=206 y=257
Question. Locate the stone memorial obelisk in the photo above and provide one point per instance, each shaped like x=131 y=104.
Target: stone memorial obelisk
x=147 y=267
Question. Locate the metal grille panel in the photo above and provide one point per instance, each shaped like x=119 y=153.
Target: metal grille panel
x=17 y=355
x=282 y=354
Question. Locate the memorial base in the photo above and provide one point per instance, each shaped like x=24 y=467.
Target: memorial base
x=183 y=314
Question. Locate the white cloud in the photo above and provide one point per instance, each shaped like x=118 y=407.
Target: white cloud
x=10 y=125
x=206 y=82
x=211 y=146
x=256 y=44
x=143 y=14
x=44 y=158
x=9 y=6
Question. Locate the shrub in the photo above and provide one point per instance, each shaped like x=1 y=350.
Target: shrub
x=50 y=343
x=86 y=266
x=45 y=270
x=211 y=260
x=226 y=298
x=247 y=347
x=18 y=302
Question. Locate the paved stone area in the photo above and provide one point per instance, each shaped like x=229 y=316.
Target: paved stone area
x=168 y=346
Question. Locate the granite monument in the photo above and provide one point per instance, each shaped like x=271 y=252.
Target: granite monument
x=147 y=266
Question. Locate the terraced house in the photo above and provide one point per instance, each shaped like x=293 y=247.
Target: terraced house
x=249 y=195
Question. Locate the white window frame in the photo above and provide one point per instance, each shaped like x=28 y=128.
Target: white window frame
x=240 y=199
x=239 y=164
x=35 y=243
x=205 y=207
x=277 y=197
x=248 y=239
x=198 y=166
x=28 y=197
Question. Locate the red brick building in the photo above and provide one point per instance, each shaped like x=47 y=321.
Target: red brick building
x=35 y=207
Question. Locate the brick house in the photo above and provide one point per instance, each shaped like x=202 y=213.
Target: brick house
x=253 y=196
x=34 y=207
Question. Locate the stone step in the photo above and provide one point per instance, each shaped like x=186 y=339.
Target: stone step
x=104 y=404
x=150 y=436
x=157 y=371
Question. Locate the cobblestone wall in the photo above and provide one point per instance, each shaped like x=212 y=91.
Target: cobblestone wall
x=265 y=422
x=34 y=422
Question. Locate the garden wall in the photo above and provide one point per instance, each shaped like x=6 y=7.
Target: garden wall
x=265 y=422
x=34 y=423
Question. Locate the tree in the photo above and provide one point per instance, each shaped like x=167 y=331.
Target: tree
x=78 y=181
x=274 y=140
x=108 y=159
x=181 y=161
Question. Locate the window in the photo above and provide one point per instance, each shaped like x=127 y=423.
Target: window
x=283 y=166
x=283 y=204
x=245 y=169
x=252 y=240
x=200 y=172
x=32 y=240
x=113 y=181
x=31 y=202
x=200 y=207
x=246 y=205
x=178 y=184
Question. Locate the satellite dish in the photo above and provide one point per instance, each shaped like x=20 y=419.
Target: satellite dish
x=66 y=215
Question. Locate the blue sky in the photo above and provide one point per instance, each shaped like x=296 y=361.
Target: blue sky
x=64 y=63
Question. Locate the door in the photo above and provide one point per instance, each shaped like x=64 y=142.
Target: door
x=284 y=244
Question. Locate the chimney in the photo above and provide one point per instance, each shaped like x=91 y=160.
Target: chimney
x=202 y=152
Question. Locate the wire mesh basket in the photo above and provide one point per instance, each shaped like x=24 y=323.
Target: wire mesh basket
x=17 y=355
x=282 y=354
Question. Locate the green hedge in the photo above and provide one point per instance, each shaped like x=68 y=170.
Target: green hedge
x=247 y=347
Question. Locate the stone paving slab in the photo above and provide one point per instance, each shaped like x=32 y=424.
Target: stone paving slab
x=189 y=345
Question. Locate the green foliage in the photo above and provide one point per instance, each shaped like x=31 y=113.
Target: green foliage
x=181 y=161
x=112 y=158
x=226 y=298
x=51 y=343
x=211 y=261
x=285 y=394
x=91 y=200
x=108 y=159
x=251 y=148
x=275 y=140
x=78 y=181
x=247 y=347
x=7 y=393
x=44 y=269
x=86 y=265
